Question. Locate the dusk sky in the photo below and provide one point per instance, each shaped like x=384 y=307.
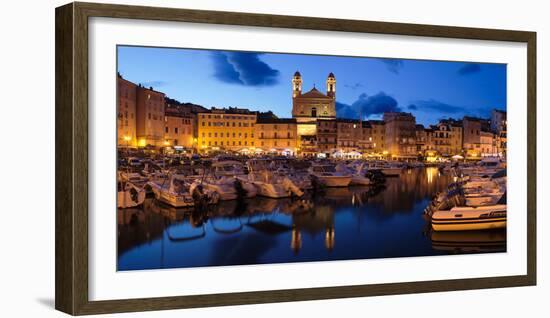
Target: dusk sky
x=365 y=87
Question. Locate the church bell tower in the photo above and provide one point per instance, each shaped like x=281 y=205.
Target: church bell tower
x=331 y=86
x=297 y=84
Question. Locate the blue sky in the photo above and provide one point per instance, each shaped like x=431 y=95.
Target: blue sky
x=364 y=86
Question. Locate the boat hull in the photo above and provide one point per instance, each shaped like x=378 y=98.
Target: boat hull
x=175 y=201
x=126 y=200
x=358 y=180
x=470 y=218
x=335 y=181
x=271 y=191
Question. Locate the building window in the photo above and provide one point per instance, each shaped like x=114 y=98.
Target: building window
x=166 y=129
x=175 y=130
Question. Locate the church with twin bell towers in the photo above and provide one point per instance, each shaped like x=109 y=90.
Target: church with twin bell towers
x=313 y=106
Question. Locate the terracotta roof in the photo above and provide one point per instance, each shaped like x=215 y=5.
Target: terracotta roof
x=314 y=93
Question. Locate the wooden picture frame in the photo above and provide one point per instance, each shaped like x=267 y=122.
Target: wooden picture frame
x=72 y=280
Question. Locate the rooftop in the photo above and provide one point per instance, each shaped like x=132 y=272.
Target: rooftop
x=314 y=93
x=276 y=121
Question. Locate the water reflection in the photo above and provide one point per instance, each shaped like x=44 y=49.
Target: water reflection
x=370 y=222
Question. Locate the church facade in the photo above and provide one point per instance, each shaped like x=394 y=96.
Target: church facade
x=312 y=106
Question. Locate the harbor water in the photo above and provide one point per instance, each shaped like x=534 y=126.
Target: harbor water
x=326 y=225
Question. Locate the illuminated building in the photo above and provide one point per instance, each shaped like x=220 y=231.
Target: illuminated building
x=178 y=128
x=309 y=107
x=400 y=135
x=150 y=117
x=326 y=136
x=226 y=129
x=276 y=135
x=349 y=134
x=126 y=113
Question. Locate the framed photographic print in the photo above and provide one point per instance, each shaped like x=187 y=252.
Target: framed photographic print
x=211 y=158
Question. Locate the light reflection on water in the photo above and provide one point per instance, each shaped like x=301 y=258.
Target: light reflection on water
x=335 y=224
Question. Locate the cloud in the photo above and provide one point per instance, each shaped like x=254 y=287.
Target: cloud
x=469 y=68
x=353 y=86
x=431 y=105
x=376 y=104
x=393 y=65
x=345 y=111
x=412 y=107
x=154 y=84
x=243 y=68
x=368 y=106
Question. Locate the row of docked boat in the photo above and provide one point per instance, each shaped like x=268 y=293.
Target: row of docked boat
x=475 y=201
x=204 y=184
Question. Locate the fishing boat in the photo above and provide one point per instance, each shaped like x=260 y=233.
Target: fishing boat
x=327 y=175
x=129 y=195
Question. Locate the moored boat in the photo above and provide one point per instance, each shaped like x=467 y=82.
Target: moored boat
x=470 y=218
x=327 y=175
x=129 y=195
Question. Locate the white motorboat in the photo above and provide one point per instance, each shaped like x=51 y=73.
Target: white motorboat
x=448 y=213
x=466 y=218
x=299 y=177
x=327 y=175
x=232 y=173
x=223 y=186
x=129 y=195
x=388 y=169
x=174 y=191
x=358 y=173
x=269 y=184
x=133 y=177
